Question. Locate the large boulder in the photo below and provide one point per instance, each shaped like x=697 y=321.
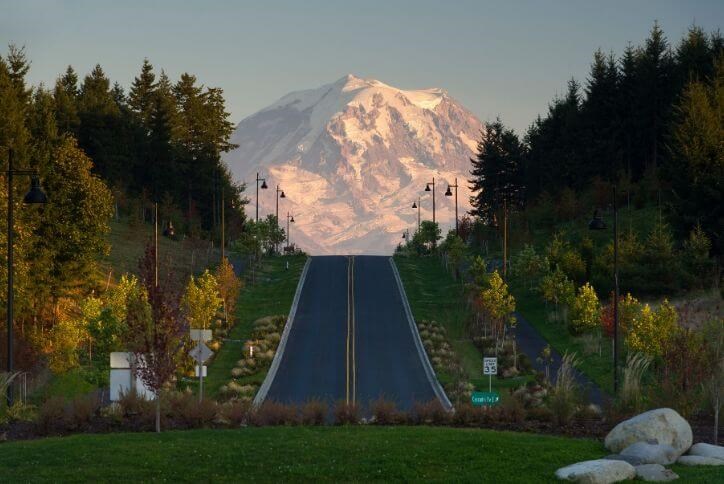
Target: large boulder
x=655 y=473
x=649 y=453
x=663 y=425
x=707 y=450
x=698 y=460
x=601 y=471
x=634 y=461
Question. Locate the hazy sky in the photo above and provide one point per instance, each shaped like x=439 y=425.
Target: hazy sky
x=506 y=58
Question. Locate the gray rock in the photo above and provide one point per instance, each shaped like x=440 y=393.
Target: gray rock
x=634 y=461
x=600 y=471
x=663 y=424
x=707 y=450
x=663 y=454
x=698 y=460
x=655 y=473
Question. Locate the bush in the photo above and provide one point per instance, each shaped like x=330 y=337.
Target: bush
x=236 y=413
x=466 y=415
x=540 y=414
x=274 y=413
x=346 y=413
x=314 y=412
x=186 y=408
x=81 y=411
x=51 y=416
x=431 y=412
x=512 y=410
x=385 y=412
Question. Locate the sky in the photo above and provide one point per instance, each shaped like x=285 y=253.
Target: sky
x=498 y=58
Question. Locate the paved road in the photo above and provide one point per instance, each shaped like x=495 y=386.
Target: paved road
x=350 y=338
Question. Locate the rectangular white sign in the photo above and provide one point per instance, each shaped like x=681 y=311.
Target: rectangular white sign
x=490 y=366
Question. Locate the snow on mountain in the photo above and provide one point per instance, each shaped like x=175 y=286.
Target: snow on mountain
x=351 y=157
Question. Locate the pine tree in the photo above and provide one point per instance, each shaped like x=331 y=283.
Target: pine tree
x=65 y=95
x=142 y=94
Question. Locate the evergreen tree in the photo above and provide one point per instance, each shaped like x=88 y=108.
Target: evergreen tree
x=497 y=171
x=142 y=94
x=65 y=95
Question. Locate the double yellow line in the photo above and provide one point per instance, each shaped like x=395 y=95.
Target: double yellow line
x=350 y=361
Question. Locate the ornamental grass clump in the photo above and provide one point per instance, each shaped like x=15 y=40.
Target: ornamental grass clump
x=565 y=394
x=631 y=395
x=429 y=413
x=385 y=412
x=275 y=413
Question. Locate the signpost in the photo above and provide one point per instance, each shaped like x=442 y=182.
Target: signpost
x=201 y=353
x=490 y=368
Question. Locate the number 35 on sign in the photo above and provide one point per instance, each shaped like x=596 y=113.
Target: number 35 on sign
x=490 y=366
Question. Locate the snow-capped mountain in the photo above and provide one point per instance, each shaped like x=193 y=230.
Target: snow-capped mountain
x=351 y=157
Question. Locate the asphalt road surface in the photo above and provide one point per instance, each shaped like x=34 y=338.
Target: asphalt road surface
x=351 y=340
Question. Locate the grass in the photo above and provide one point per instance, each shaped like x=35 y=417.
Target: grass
x=434 y=295
x=271 y=294
x=276 y=454
x=129 y=242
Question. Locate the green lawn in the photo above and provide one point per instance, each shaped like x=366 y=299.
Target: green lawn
x=434 y=295
x=271 y=294
x=275 y=454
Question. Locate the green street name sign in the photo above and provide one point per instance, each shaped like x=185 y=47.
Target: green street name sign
x=481 y=399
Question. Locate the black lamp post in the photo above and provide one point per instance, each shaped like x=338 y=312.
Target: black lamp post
x=263 y=187
x=280 y=194
x=418 y=205
x=448 y=193
x=35 y=196
x=427 y=189
x=290 y=219
x=597 y=223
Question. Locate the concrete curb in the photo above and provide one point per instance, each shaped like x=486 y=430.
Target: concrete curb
x=264 y=388
x=429 y=370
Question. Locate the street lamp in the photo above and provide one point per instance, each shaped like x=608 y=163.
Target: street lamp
x=448 y=193
x=427 y=189
x=263 y=187
x=597 y=223
x=418 y=206
x=290 y=219
x=280 y=194
x=34 y=196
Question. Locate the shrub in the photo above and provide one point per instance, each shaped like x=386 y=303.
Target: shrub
x=385 y=412
x=81 y=410
x=186 y=408
x=465 y=415
x=565 y=394
x=51 y=415
x=274 y=413
x=132 y=404
x=431 y=412
x=346 y=413
x=314 y=412
x=585 y=310
x=236 y=413
x=512 y=410
x=540 y=414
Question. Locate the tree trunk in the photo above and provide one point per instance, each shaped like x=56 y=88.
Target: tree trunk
x=716 y=421
x=158 y=413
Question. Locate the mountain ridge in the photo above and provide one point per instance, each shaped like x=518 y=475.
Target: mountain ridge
x=352 y=156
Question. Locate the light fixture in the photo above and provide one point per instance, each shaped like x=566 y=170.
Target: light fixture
x=264 y=185
x=448 y=193
x=35 y=194
x=597 y=222
x=414 y=204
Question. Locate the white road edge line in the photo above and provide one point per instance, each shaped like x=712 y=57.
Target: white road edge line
x=264 y=388
x=429 y=370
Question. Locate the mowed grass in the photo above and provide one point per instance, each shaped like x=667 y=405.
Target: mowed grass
x=271 y=294
x=275 y=454
x=434 y=295
x=283 y=454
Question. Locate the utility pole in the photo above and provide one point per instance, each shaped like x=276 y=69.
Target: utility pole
x=505 y=240
x=155 y=243
x=223 y=235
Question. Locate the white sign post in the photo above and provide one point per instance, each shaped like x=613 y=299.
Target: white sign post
x=490 y=368
x=201 y=353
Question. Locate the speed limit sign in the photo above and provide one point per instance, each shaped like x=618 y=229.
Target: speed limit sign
x=490 y=366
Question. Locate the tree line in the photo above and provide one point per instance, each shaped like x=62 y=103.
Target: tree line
x=649 y=121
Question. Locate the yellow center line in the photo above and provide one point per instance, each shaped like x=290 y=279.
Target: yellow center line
x=350 y=365
x=354 y=358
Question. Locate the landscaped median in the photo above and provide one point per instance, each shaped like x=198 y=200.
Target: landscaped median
x=271 y=294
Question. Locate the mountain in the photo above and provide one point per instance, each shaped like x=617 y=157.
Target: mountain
x=351 y=157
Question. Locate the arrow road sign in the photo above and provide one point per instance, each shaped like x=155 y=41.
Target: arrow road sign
x=201 y=352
